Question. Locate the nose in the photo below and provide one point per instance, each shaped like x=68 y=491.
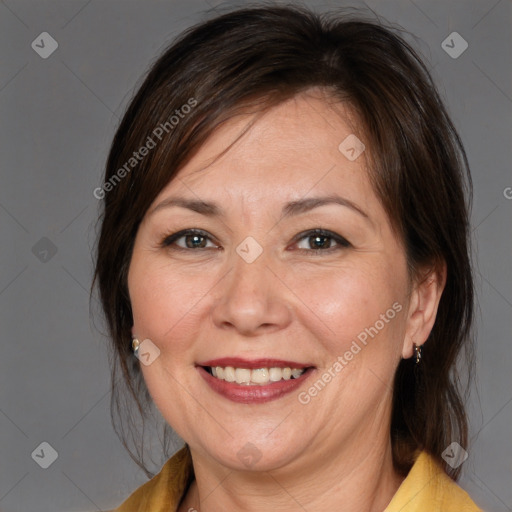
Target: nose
x=252 y=301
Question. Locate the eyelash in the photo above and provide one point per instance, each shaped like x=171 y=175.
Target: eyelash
x=169 y=240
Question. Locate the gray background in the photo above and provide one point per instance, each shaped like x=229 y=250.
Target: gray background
x=58 y=116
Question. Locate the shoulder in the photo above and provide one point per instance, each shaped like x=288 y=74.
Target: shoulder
x=428 y=487
x=165 y=489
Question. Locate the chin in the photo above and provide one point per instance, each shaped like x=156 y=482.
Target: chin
x=246 y=453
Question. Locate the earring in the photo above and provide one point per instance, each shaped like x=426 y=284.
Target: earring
x=417 y=352
x=135 y=346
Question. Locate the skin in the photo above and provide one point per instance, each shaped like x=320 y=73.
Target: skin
x=292 y=302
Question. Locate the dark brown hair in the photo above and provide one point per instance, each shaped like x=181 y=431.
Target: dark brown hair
x=253 y=59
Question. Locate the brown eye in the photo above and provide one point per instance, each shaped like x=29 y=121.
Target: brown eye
x=195 y=241
x=189 y=239
x=320 y=240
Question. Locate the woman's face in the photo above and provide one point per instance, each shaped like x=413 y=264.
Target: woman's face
x=292 y=264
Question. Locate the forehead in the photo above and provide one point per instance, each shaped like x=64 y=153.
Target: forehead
x=299 y=146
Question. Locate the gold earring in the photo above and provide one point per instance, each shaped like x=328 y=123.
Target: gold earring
x=417 y=351
x=135 y=346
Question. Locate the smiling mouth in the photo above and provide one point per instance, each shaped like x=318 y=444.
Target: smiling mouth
x=256 y=376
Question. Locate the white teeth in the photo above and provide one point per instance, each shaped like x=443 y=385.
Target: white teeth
x=260 y=376
x=296 y=373
x=276 y=374
x=229 y=374
x=242 y=376
x=257 y=376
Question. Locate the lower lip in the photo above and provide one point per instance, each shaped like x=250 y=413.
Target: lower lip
x=253 y=394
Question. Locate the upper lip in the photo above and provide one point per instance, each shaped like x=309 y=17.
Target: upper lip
x=238 y=362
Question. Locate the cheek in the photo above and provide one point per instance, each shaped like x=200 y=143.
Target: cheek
x=165 y=302
x=355 y=303
x=166 y=305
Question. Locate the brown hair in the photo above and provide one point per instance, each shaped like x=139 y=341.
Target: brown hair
x=256 y=58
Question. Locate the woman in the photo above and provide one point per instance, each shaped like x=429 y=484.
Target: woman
x=284 y=248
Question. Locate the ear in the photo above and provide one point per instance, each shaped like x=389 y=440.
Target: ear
x=424 y=301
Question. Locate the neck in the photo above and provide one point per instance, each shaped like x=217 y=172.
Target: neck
x=361 y=478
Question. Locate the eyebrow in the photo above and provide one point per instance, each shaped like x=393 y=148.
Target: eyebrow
x=304 y=205
x=202 y=207
x=307 y=204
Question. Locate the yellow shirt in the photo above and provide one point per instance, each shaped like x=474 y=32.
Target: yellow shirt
x=427 y=488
